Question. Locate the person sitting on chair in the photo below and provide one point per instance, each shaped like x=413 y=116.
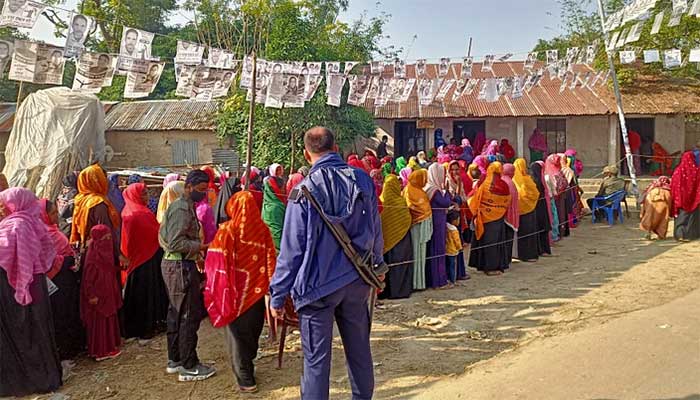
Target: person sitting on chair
x=611 y=184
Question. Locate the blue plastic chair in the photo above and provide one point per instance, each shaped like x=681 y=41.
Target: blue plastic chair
x=609 y=204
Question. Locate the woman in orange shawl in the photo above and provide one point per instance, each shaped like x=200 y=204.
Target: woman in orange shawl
x=656 y=208
x=145 y=298
x=528 y=195
x=398 y=248
x=489 y=205
x=661 y=163
x=239 y=265
x=421 y=223
x=92 y=207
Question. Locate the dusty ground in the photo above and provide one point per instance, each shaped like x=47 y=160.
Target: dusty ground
x=597 y=275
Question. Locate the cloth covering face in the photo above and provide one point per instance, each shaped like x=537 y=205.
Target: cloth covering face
x=139 y=233
x=491 y=200
x=528 y=194
x=416 y=198
x=26 y=249
x=92 y=190
x=99 y=275
x=396 y=217
x=240 y=262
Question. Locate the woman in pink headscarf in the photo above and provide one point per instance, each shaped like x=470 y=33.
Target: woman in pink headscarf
x=513 y=212
x=404 y=174
x=483 y=163
x=557 y=184
x=29 y=363
x=537 y=145
x=492 y=149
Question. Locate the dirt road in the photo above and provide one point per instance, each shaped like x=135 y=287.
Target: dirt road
x=599 y=274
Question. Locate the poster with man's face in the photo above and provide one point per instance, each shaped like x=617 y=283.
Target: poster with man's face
x=359 y=87
x=189 y=53
x=20 y=13
x=136 y=44
x=444 y=67
x=140 y=85
x=487 y=66
x=294 y=91
x=93 y=72
x=376 y=67
x=467 y=66
x=222 y=83
x=334 y=88
x=530 y=60
x=78 y=31
x=217 y=58
x=49 y=65
x=420 y=67
x=399 y=69
x=6 y=50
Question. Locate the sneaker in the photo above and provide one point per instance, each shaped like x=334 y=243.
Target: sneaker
x=200 y=372
x=174 y=367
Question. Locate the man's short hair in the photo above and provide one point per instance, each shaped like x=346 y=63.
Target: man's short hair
x=385 y=137
x=195 y=177
x=318 y=140
x=79 y=16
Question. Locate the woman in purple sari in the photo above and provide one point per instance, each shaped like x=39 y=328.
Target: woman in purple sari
x=440 y=200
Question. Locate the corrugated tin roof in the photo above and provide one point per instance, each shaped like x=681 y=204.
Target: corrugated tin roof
x=162 y=115
x=646 y=96
x=7 y=116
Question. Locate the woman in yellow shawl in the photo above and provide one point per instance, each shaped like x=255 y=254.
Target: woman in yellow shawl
x=527 y=242
x=488 y=206
x=421 y=223
x=398 y=248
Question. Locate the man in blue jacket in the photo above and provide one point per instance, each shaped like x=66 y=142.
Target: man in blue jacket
x=315 y=271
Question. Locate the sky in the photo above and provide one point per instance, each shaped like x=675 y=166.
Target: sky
x=442 y=27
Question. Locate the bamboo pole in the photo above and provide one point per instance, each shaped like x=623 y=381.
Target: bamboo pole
x=294 y=150
x=251 y=123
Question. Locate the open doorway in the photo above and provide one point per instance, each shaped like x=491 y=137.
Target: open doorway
x=467 y=129
x=645 y=128
x=408 y=140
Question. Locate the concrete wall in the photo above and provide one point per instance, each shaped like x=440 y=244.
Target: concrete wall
x=590 y=137
x=692 y=134
x=134 y=149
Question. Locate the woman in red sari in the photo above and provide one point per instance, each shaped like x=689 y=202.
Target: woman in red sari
x=685 y=190
x=145 y=298
x=100 y=297
x=239 y=265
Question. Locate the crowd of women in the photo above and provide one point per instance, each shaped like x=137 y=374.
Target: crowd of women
x=83 y=271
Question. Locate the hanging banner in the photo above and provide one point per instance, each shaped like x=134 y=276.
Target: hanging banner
x=460 y=85
x=694 y=55
x=139 y=84
x=635 y=33
x=136 y=44
x=487 y=65
x=359 y=88
x=530 y=61
x=590 y=55
x=467 y=65
x=222 y=82
x=695 y=8
x=658 y=20
x=489 y=90
x=400 y=69
x=6 y=50
x=37 y=63
x=651 y=56
x=312 y=84
x=672 y=58
x=444 y=67
x=78 y=31
x=552 y=58
x=334 y=88
x=21 y=13
x=471 y=85
x=420 y=67
x=185 y=79
x=444 y=88
x=349 y=65
x=517 y=88
x=219 y=58
x=627 y=57
x=94 y=71
x=261 y=84
x=376 y=67
x=189 y=53
x=293 y=96
x=275 y=91
x=382 y=93
x=332 y=68
x=505 y=57
x=426 y=91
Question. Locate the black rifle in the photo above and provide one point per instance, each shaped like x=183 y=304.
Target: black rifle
x=363 y=265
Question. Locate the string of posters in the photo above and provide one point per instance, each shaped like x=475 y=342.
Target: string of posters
x=292 y=84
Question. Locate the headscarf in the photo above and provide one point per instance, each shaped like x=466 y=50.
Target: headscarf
x=661 y=157
x=555 y=178
x=405 y=174
x=566 y=169
x=573 y=162
x=662 y=182
x=685 y=184
x=170 y=178
x=507 y=150
x=422 y=159
x=479 y=142
x=60 y=241
x=99 y=276
x=442 y=155
x=413 y=163
x=492 y=150
x=3 y=182
x=139 y=229
x=467 y=151
x=513 y=213
x=400 y=164
x=304 y=171
x=115 y=194
x=353 y=161
x=273 y=170
x=528 y=194
x=396 y=218
x=378 y=179
x=537 y=142
x=228 y=189
x=212 y=179
x=66 y=199
x=274 y=208
x=172 y=192
x=92 y=191
x=457 y=187
x=387 y=169
x=240 y=262
x=371 y=161
x=436 y=180
x=482 y=162
x=491 y=200
x=205 y=215
x=25 y=246
x=294 y=180
x=416 y=198
x=134 y=178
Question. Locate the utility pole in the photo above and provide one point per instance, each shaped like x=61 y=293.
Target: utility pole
x=618 y=99
x=251 y=123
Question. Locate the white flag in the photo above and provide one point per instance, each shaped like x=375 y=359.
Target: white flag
x=651 y=56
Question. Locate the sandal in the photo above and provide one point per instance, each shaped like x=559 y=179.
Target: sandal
x=248 y=389
x=493 y=273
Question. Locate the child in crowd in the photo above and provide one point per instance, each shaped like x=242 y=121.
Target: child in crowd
x=100 y=297
x=453 y=245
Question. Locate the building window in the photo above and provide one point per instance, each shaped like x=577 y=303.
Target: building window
x=185 y=152
x=555 y=132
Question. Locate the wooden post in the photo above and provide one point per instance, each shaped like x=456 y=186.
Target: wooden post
x=19 y=95
x=294 y=150
x=251 y=124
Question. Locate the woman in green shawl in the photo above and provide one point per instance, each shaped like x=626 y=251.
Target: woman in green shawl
x=274 y=204
x=387 y=169
x=400 y=164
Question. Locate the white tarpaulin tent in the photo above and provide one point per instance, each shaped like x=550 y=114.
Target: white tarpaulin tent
x=55 y=131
